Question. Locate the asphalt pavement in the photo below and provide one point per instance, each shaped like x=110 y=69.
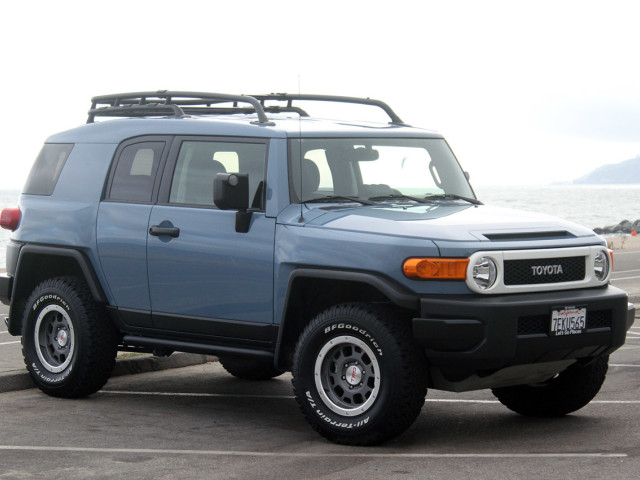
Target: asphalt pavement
x=200 y=423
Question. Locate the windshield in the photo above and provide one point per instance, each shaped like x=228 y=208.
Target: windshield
x=379 y=169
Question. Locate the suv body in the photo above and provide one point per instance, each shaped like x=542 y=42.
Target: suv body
x=353 y=254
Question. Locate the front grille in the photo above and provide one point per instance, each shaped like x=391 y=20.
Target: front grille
x=544 y=270
x=540 y=324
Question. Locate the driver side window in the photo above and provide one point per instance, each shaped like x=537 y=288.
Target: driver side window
x=200 y=161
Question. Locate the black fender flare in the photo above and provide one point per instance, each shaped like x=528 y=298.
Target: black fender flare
x=395 y=292
x=28 y=252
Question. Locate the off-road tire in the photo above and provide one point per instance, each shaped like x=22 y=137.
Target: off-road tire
x=567 y=392
x=248 y=369
x=69 y=343
x=369 y=348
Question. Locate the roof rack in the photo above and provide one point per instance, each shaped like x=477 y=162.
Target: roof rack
x=289 y=98
x=173 y=103
x=179 y=104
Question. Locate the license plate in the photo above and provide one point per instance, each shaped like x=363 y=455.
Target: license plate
x=568 y=321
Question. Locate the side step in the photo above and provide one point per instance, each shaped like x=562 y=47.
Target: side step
x=191 y=347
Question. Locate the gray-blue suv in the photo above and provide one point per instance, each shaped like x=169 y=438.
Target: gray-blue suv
x=353 y=254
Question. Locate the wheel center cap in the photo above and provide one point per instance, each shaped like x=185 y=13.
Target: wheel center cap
x=62 y=338
x=353 y=375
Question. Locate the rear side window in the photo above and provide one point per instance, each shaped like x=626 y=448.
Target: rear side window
x=136 y=172
x=46 y=170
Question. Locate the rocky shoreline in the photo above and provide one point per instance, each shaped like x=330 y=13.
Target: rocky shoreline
x=625 y=226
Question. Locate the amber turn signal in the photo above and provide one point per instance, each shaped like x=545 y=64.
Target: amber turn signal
x=436 y=268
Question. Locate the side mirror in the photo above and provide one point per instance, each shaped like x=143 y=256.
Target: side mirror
x=231 y=191
x=467 y=175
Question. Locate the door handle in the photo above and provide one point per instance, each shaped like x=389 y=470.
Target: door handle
x=157 y=230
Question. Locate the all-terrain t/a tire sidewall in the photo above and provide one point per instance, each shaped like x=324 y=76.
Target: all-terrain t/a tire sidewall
x=67 y=301
x=393 y=409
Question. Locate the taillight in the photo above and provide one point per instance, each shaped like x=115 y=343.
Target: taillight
x=10 y=218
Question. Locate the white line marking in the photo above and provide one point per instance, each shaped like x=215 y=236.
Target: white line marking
x=183 y=394
x=624 y=278
x=9 y=343
x=626 y=271
x=291 y=397
x=623 y=365
x=239 y=453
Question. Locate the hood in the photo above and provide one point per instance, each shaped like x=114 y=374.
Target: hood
x=448 y=222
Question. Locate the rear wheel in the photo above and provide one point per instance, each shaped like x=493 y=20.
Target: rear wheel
x=68 y=342
x=358 y=376
x=248 y=369
x=567 y=392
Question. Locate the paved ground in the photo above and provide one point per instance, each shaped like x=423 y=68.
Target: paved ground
x=198 y=422
x=626 y=272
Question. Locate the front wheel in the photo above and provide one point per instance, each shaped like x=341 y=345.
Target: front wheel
x=358 y=376
x=567 y=392
x=68 y=342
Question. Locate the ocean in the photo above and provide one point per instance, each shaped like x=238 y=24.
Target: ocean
x=590 y=205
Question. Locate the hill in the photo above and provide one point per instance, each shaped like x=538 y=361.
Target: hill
x=627 y=172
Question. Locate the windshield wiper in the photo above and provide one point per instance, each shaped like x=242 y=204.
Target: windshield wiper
x=453 y=196
x=338 y=199
x=398 y=197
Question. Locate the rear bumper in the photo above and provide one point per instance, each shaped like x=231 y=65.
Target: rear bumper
x=6 y=285
x=478 y=335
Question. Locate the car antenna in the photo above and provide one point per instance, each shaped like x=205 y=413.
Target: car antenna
x=301 y=219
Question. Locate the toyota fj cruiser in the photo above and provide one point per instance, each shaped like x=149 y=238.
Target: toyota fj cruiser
x=353 y=254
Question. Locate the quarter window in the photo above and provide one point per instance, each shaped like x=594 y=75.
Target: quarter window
x=46 y=169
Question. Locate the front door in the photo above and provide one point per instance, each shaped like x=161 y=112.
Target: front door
x=204 y=277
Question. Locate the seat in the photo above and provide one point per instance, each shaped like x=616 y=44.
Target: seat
x=310 y=179
x=200 y=175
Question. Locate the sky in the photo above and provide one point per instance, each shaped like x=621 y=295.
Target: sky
x=526 y=93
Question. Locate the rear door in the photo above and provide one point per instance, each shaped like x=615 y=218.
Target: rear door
x=122 y=224
x=204 y=277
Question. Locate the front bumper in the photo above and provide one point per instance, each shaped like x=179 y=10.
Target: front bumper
x=479 y=335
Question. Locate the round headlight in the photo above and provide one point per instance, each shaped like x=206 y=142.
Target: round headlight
x=485 y=273
x=601 y=265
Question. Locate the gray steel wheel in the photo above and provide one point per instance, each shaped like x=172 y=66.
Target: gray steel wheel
x=347 y=375
x=68 y=341
x=358 y=376
x=54 y=338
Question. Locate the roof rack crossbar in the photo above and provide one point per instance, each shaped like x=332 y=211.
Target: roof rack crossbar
x=289 y=97
x=244 y=110
x=122 y=104
x=137 y=110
